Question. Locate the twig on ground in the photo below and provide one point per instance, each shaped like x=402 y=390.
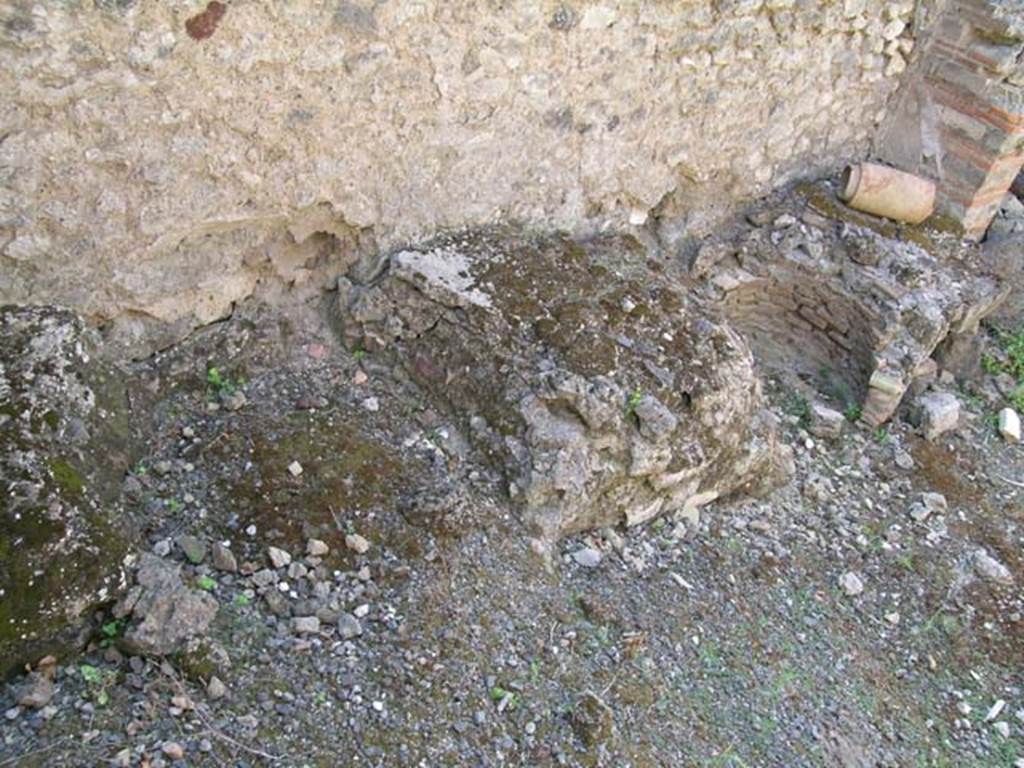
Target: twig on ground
x=42 y=750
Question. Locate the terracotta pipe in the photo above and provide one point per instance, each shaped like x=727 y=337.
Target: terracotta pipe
x=887 y=192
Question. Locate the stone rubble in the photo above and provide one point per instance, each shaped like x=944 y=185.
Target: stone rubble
x=166 y=612
x=1009 y=425
x=937 y=413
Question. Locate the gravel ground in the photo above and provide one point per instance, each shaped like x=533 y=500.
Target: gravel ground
x=822 y=626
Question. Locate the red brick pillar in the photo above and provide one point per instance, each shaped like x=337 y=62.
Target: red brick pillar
x=959 y=117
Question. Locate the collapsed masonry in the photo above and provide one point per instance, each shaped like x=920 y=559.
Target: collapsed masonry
x=611 y=389
x=602 y=390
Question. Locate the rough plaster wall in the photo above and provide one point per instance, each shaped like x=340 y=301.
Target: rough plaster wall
x=153 y=179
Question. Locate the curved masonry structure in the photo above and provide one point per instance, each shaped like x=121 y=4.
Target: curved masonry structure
x=841 y=300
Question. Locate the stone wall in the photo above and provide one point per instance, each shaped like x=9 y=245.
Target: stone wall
x=159 y=165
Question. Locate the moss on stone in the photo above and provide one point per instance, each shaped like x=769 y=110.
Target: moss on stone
x=62 y=532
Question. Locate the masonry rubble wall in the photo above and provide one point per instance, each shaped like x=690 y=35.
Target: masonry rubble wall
x=160 y=162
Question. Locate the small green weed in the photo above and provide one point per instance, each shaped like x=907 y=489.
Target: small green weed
x=990 y=365
x=853 y=412
x=99 y=682
x=90 y=674
x=634 y=400
x=499 y=694
x=111 y=631
x=1017 y=398
x=905 y=561
x=882 y=436
x=1012 y=344
x=206 y=583
x=796 y=405
x=241 y=600
x=219 y=385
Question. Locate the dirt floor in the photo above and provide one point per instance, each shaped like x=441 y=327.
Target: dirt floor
x=736 y=642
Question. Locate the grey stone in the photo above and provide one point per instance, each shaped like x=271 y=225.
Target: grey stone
x=903 y=460
x=349 y=626
x=277 y=602
x=927 y=504
x=264 y=577
x=233 y=401
x=826 y=422
x=851 y=584
x=168 y=613
x=317 y=548
x=609 y=419
x=991 y=569
x=222 y=558
x=937 y=413
x=278 y=557
x=357 y=543
x=162 y=548
x=587 y=557
x=60 y=484
x=306 y=625
x=36 y=692
x=173 y=750
x=193 y=548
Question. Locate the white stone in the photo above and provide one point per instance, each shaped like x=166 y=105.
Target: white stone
x=927 y=504
x=893 y=29
x=897 y=65
x=995 y=710
x=357 y=543
x=1009 y=425
x=588 y=557
x=853 y=8
x=851 y=584
x=991 y=569
x=317 y=548
x=216 y=689
x=1002 y=728
x=938 y=413
x=278 y=557
x=598 y=17
x=295 y=469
